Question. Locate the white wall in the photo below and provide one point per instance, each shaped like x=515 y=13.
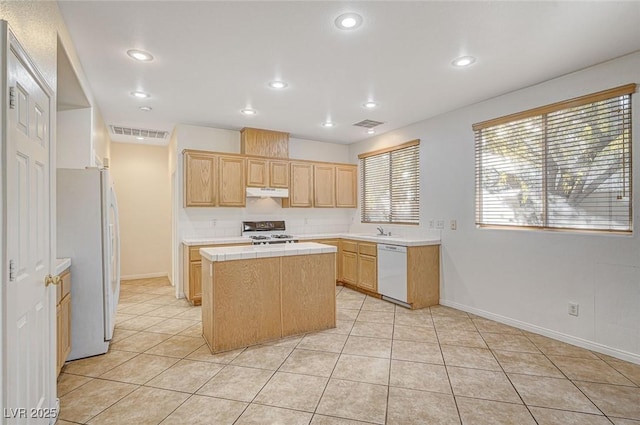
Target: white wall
x=199 y=222
x=524 y=277
x=141 y=177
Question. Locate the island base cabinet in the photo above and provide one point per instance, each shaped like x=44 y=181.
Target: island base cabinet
x=245 y=301
x=308 y=293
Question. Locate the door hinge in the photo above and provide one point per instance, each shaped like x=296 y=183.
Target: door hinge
x=12 y=98
x=12 y=270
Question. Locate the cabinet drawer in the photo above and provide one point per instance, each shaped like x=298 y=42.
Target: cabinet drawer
x=64 y=287
x=349 y=246
x=368 y=249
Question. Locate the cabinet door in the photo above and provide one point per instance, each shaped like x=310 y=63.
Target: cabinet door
x=232 y=192
x=349 y=267
x=301 y=193
x=195 y=282
x=324 y=179
x=367 y=273
x=346 y=186
x=257 y=172
x=200 y=179
x=279 y=174
x=65 y=337
x=255 y=141
x=59 y=330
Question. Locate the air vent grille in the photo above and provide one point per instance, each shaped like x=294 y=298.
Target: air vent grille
x=139 y=132
x=368 y=123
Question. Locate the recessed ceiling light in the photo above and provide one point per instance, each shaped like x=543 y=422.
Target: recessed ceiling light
x=139 y=138
x=348 y=21
x=140 y=55
x=328 y=124
x=140 y=94
x=370 y=104
x=463 y=61
x=248 y=111
x=146 y=108
x=277 y=84
x=371 y=131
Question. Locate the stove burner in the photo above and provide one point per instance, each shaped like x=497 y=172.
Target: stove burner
x=281 y=236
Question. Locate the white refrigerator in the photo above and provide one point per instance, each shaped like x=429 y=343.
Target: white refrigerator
x=88 y=233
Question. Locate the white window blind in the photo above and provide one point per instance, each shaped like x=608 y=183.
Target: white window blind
x=561 y=166
x=389 y=185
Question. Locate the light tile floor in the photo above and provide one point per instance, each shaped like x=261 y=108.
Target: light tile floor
x=382 y=365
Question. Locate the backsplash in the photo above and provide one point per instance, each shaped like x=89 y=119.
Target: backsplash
x=226 y=222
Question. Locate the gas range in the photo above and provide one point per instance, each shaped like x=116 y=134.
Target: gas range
x=266 y=232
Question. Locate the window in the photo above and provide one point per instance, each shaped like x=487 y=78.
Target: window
x=561 y=166
x=389 y=184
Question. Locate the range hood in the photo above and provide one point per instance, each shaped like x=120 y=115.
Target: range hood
x=267 y=192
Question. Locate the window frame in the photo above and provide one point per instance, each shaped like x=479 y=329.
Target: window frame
x=390 y=150
x=543 y=112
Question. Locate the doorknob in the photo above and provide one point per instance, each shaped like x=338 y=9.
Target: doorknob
x=51 y=280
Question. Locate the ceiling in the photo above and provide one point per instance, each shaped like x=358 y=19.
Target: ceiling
x=212 y=58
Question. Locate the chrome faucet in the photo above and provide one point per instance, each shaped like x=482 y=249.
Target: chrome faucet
x=381 y=230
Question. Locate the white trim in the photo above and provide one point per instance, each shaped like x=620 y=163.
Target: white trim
x=589 y=345
x=144 y=276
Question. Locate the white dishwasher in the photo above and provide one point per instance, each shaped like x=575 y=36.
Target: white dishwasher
x=392 y=273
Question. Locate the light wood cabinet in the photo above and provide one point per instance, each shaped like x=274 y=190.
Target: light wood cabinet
x=423 y=276
x=63 y=319
x=279 y=174
x=346 y=186
x=192 y=271
x=269 y=143
x=367 y=273
x=359 y=264
x=257 y=172
x=266 y=173
x=301 y=186
x=324 y=180
x=349 y=267
x=200 y=179
x=232 y=189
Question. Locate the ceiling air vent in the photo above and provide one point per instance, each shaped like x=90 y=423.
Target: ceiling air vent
x=368 y=123
x=139 y=132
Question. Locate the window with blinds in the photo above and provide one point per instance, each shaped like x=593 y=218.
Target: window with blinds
x=389 y=184
x=561 y=166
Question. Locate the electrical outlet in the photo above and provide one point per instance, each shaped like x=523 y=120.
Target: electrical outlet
x=430 y=224
x=440 y=224
x=306 y=221
x=214 y=222
x=454 y=225
x=574 y=309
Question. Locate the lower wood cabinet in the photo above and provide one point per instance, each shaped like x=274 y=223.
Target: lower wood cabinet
x=358 y=268
x=63 y=319
x=192 y=271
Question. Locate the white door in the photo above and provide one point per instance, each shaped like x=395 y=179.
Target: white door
x=28 y=302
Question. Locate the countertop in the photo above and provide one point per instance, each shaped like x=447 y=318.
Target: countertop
x=392 y=240
x=227 y=253
x=62 y=264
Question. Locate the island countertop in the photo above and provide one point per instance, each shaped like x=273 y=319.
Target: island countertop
x=246 y=252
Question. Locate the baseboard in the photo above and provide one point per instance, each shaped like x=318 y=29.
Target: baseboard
x=589 y=345
x=144 y=276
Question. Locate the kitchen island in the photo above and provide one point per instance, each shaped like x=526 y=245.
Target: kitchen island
x=257 y=293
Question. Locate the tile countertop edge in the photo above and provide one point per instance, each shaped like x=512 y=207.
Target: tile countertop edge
x=261 y=251
x=391 y=240
x=62 y=264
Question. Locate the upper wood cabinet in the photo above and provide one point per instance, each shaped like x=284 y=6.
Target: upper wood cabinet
x=324 y=180
x=272 y=144
x=232 y=189
x=266 y=173
x=200 y=178
x=301 y=185
x=346 y=186
x=257 y=172
x=279 y=174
